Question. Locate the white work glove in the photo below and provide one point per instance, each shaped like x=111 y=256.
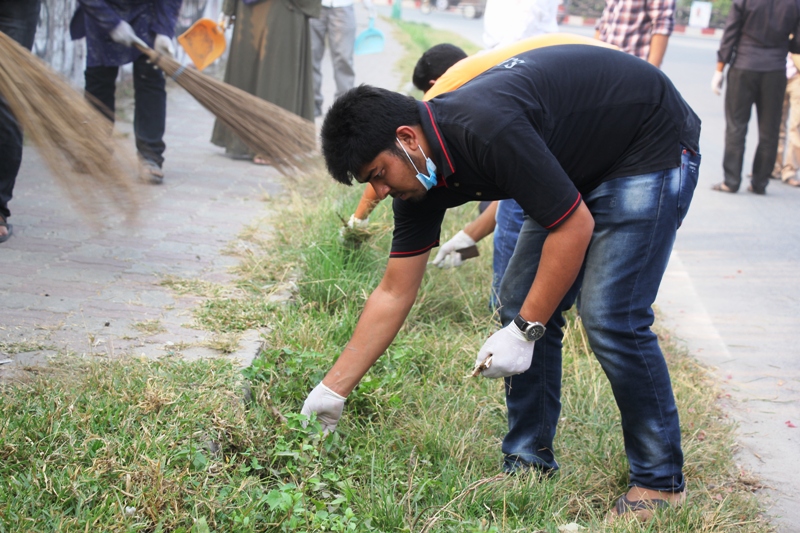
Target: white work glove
x=224 y=21
x=123 y=34
x=327 y=404
x=163 y=45
x=448 y=257
x=354 y=224
x=716 y=82
x=511 y=353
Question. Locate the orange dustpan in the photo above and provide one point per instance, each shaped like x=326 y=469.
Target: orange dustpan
x=204 y=41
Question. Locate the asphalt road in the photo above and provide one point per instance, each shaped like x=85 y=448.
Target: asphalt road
x=729 y=293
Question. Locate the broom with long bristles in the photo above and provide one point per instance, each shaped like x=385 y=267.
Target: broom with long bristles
x=73 y=138
x=269 y=130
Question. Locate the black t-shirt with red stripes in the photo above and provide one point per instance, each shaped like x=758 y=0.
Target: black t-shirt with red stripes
x=543 y=128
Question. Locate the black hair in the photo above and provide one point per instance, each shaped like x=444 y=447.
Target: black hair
x=434 y=63
x=361 y=124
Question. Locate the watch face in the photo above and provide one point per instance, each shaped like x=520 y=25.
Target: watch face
x=535 y=332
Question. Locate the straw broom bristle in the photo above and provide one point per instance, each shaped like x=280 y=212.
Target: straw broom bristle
x=72 y=137
x=269 y=130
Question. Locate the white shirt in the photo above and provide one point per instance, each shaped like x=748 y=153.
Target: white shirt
x=508 y=21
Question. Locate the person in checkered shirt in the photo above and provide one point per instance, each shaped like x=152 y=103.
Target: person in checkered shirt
x=639 y=27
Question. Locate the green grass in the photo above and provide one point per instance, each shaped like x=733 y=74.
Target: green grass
x=140 y=445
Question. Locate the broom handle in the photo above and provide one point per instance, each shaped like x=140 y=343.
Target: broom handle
x=146 y=50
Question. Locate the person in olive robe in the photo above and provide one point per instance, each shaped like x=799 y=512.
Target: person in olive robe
x=270 y=57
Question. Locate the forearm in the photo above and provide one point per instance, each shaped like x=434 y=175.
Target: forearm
x=483 y=225
x=562 y=257
x=369 y=199
x=658 y=47
x=383 y=316
x=720 y=66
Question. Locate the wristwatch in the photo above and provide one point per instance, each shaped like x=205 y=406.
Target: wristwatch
x=533 y=331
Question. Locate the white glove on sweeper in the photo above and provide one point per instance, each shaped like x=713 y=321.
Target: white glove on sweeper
x=448 y=257
x=353 y=224
x=163 y=45
x=123 y=34
x=511 y=353
x=327 y=404
x=716 y=82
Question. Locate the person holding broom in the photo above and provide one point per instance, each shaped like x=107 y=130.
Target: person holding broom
x=18 y=19
x=110 y=28
x=601 y=152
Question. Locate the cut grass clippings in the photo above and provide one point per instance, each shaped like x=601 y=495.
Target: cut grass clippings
x=142 y=445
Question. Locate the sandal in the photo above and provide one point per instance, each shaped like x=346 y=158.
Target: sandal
x=753 y=190
x=9 y=228
x=722 y=187
x=794 y=182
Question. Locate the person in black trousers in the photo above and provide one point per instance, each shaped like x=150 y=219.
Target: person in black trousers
x=754 y=44
x=18 y=20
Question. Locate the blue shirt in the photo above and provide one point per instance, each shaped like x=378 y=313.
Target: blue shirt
x=94 y=19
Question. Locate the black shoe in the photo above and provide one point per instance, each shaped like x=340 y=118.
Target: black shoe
x=150 y=172
x=513 y=465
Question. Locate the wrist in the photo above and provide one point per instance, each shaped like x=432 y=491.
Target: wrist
x=465 y=239
x=530 y=331
x=331 y=392
x=356 y=222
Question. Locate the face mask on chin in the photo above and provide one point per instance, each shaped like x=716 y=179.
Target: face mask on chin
x=429 y=180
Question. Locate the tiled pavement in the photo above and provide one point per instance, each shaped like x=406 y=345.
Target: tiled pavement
x=67 y=286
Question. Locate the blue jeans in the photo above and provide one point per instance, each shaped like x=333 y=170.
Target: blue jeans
x=509 y=218
x=636 y=219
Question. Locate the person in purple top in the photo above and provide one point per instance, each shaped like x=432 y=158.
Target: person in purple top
x=110 y=28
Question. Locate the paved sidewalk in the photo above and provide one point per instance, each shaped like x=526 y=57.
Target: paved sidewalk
x=67 y=287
